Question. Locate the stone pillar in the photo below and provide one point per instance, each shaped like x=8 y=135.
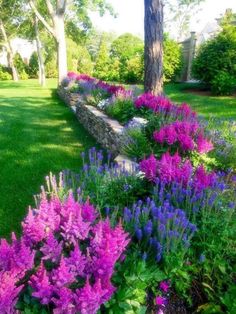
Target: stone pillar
x=192 y=46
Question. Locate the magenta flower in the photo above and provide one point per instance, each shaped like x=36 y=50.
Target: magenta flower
x=76 y=262
x=164 y=286
x=62 y=276
x=64 y=302
x=52 y=249
x=149 y=167
x=203 y=145
x=42 y=288
x=8 y=292
x=89 y=298
x=160 y=301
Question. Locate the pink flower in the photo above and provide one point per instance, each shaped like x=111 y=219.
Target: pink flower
x=203 y=145
x=149 y=167
x=160 y=301
x=41 y=285
x=164 y=286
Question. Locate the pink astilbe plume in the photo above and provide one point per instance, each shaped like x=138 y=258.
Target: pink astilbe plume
x=9 y=292
x=149 y=167
x=62 y=275
x=41 y=285
x=203 y=145
x=52 y=249
x=17 y=258
x=90 y=297
x=204 y=180
x=76 y=262
x=63 y=243
x=42 y=221
x=73 y=226
x=64 y=302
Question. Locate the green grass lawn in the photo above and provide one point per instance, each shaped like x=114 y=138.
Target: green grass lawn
x=208 y=106
x=38 y=134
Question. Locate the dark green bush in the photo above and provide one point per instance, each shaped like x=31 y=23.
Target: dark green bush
x=223 y=84
x=4 y=74
x=172 y=59
x=215 y=63
x=21 y=66
x=33 y=66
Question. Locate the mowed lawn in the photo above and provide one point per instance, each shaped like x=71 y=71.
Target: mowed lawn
x=209 y=106
x=38 y=134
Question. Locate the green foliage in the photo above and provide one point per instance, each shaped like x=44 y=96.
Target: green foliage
x=22 y=68
x=128 y=49
x=215 y=63
x=133 y=280
x=123 y=110
x=173 y=59
x=102 y=65
x=4 y=74
x=78 y=58
x=33 y=66
x=223 y=84
x=136 y=144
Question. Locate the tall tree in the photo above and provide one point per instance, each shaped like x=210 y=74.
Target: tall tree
x=153 y=49
x=57 y=12
x=42 y=77
x=8 y=23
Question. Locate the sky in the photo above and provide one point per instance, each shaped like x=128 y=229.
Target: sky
x=131 y=12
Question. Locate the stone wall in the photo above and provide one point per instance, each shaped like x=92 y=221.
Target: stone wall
x=106 y=131
x=69 y=98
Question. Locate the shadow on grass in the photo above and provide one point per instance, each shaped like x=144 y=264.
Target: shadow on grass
x=37 y=135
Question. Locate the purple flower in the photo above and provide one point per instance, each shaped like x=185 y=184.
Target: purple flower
x=149 y=167
x=41 y=285
x=52 y=249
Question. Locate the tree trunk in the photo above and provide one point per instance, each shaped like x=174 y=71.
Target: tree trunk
x=153 y=50
x=10 y=55
x=42 y=80
x=61 y=47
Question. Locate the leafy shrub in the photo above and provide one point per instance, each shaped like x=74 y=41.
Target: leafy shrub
x=215 y=58
x=33 y=65
x=172 y=60
x=223 y=84
x=135 y=143
x=122 y=109
x=51 y=68
x=21 y=66
x=4 y=74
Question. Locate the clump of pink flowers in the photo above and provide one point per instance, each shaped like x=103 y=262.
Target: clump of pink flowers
x=81 y=250
x=162 y=105
x=187 y=134
x=161 y=299
x=171 y=168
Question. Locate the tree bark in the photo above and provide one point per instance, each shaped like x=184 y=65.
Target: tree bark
x=57 y=31
x=10 y=55
x=42 y=80
x=153 y=50
x=61 y=46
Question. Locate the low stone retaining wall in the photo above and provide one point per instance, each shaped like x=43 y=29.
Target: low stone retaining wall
x=69 y=98
x=106 y=131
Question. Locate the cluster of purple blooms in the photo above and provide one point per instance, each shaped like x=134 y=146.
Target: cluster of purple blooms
x=160 y=230
x=81 y=249
x=173 y=169
x=187 y=134
x=162 y=105
x=90 y=83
